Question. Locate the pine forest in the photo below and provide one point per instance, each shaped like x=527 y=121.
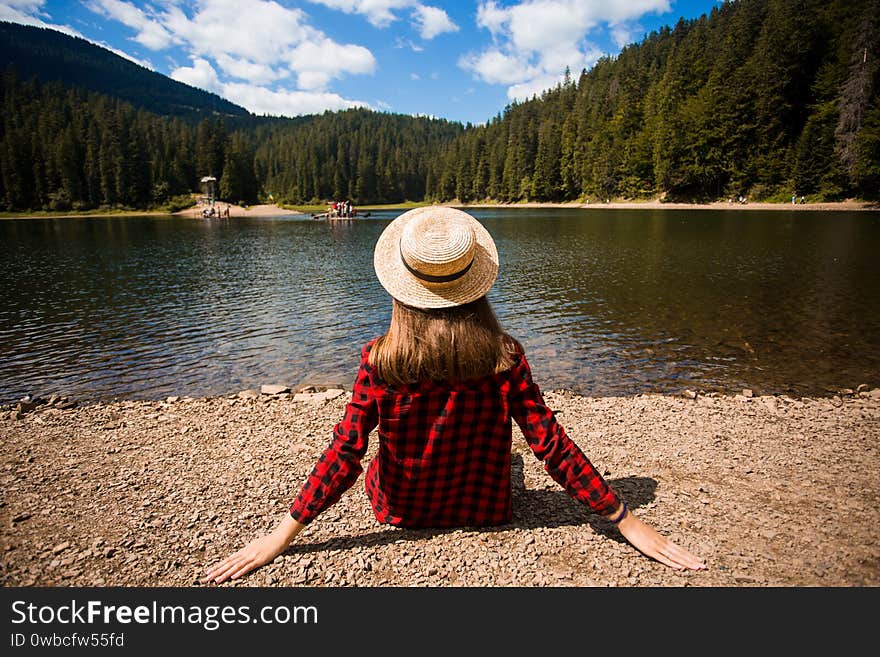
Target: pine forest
x=759 y=98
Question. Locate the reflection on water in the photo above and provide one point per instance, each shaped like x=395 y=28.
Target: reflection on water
x=606 y=302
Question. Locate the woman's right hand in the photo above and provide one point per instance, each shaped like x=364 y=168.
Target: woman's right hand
x=646 y=539
x=257 y=553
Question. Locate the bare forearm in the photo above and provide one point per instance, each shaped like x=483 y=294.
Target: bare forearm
x=288 y=528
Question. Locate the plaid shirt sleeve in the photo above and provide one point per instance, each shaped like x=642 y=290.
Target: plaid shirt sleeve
x=563 y=460
x=340 y=464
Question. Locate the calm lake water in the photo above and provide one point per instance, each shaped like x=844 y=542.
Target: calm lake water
x=606 y=302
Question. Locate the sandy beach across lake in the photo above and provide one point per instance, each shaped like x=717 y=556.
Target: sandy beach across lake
x=771 y=491
x=263 y=210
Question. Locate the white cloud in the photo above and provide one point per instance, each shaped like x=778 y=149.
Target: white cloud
x=429 y=21
x=491 y=17
x=238 y=47
x=149 y=33
x=415 y=76
x=316 y=62
x=496 y=67
x=245 y=69
x=258 y=99
x=535 y=40
x=624 y=34
x=533 y=87
x=405 y=43
x=379 y=13
x=432 y=21
x=261 y=100
x=259 y=41
x=201 y=74
x=26 y=7
x=256 y=30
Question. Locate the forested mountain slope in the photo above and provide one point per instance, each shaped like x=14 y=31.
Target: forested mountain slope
x=50 y=55
x=761 y=98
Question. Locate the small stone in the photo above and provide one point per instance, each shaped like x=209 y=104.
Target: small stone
x=172 y=399
x=274 y=389
x=248 y=394
x=21 y=517
x=747 y=392
x=689 y=394
x=61 y=547
x=874 y=394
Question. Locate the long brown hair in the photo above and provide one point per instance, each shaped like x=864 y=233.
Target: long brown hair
x=462 y=342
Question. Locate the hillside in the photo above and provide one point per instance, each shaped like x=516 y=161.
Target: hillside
x=53 y=56
x=759 y=98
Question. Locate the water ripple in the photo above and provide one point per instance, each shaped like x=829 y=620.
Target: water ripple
x=605 y=302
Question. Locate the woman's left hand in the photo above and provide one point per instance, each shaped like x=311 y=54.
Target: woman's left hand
x=650 y=543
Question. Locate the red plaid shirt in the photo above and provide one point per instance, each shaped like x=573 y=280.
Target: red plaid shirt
x=444 y=451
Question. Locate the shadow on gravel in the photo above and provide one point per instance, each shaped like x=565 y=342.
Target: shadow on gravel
x=532 y=509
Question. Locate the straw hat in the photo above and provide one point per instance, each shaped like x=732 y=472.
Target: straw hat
x=436 y=257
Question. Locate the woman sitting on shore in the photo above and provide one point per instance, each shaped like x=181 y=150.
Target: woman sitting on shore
x=442 y=386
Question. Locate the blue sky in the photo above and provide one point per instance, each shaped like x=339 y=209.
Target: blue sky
x=464 y=61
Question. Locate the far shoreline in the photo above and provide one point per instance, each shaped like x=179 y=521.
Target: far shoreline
x=272 y=210
x=848 y=205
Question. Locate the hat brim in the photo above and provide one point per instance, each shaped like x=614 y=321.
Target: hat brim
x=401 y=284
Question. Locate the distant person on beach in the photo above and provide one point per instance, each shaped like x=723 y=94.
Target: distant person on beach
x=442 y=386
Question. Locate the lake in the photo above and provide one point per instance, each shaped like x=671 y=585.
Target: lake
x=606 y=302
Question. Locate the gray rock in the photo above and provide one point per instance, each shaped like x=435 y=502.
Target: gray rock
x=248 y=394
x=274 y=389
x=310 y=397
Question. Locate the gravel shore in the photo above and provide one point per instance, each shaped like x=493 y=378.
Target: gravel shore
x=771 y=491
